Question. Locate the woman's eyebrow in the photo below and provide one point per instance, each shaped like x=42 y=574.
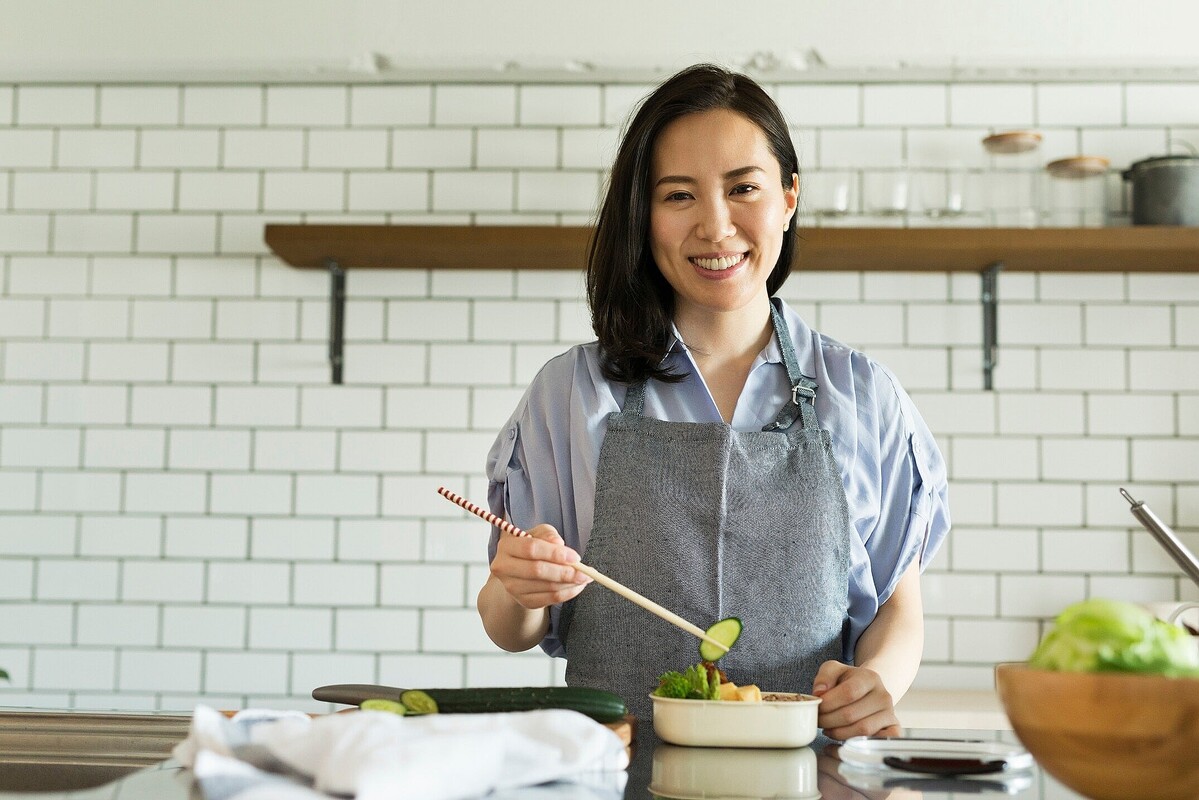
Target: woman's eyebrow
x=734 y=173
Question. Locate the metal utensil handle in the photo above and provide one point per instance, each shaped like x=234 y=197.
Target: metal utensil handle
x=1165 y=536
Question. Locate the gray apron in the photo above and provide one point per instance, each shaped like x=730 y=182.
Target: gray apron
x=713 y=523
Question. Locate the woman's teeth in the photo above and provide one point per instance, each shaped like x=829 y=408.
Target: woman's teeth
x=717 y=264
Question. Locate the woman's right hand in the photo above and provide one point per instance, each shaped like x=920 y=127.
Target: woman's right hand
x=536 y=569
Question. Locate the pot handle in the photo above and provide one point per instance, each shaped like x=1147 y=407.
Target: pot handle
x=1172 y=141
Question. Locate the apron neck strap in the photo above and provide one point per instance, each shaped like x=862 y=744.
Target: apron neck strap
x=783 y=334
x=634 y=399
x=803 y=389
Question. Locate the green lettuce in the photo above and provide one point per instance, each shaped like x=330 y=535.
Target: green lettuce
x=694 y=683
x=1113 y=636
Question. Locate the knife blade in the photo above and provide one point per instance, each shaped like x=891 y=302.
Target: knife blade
x=354 y=693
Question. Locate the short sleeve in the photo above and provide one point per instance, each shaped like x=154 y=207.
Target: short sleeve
x=501 y=467
x=914 y=497
x=913 y=517
x=929 y=522
x=541 y=467
x=898 y=492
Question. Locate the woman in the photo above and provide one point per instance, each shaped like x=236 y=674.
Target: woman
x=710 y=450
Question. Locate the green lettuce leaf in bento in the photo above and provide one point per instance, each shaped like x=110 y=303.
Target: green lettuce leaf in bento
x=1113 y=636
x=694 y=683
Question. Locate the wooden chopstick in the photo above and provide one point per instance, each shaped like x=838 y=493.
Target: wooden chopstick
x=594 y=574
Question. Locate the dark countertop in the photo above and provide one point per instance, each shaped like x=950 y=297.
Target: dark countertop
x=657 y=769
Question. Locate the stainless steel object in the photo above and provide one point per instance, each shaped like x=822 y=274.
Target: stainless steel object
x=46 y=751
x=1165 y=536
x=1165 y=190
x=352 y=694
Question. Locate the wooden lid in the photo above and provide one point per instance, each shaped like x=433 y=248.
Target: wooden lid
x=1078 y=166
x=1012 y=142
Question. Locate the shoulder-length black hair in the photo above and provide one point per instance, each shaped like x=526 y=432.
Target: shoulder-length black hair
x=631 y=304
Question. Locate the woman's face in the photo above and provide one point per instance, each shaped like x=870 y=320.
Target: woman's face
x=718 y=210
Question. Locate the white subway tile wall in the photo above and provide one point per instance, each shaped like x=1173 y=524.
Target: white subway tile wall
x=189 y=511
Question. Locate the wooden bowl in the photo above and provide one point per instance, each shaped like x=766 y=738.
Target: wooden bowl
x=1108 y=736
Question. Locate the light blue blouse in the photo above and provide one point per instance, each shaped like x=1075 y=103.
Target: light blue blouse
x=543 y=464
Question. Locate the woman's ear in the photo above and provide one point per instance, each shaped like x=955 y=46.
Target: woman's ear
x=791 y=196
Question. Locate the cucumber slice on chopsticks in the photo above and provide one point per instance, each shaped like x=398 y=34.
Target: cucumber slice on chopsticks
x=727 y=631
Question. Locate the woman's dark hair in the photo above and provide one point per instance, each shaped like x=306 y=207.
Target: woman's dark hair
x=631 y=304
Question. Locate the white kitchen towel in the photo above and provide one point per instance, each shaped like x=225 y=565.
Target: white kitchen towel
x=371 y=755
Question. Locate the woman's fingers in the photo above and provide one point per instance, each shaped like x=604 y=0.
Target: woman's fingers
x=541 y=556
x=854 y=702
x=828 y=676
x=543 y=533
x=882 y=723
x=537 y=570
x=539 y=595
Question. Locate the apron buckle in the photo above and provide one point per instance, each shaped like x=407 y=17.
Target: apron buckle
x=799 y=390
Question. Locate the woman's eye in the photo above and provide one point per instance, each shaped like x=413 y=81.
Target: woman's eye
x=744 y=188
x=677 y=196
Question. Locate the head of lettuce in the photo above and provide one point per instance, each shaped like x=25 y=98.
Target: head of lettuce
x=1113 y=636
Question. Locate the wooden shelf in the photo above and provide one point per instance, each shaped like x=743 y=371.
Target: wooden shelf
x=535 y=247
x=336 y=248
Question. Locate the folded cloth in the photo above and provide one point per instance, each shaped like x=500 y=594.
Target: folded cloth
x=371 y=755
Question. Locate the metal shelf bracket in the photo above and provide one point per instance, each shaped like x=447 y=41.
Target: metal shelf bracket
x=990 y=297
x=337 y=318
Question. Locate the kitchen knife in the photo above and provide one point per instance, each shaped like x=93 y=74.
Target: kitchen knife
x=352 y=694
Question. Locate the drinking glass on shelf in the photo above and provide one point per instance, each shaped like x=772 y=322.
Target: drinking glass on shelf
x=887 y=193
x=940 y=194
x=831 y=194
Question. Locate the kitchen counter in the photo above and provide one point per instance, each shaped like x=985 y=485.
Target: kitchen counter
x=657 y=769
x=952 y=710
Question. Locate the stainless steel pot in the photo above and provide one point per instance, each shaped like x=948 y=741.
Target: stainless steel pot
x=1165 y=190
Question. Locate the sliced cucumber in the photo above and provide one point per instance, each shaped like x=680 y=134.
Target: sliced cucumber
x=595 y=703
x=380 y=704
x=726 y=632
x=418 y=702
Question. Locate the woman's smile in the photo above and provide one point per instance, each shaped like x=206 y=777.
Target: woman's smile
x=717 y=262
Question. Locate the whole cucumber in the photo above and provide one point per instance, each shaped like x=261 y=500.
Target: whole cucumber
x=598 y=704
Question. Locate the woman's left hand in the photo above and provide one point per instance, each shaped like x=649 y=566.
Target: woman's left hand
x=853 y=702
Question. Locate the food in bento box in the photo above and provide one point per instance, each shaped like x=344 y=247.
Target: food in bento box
x=705 y=681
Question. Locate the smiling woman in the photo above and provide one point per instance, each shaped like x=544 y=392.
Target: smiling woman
x=711 y=450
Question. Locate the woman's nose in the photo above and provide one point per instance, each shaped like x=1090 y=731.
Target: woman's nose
x=715 y=224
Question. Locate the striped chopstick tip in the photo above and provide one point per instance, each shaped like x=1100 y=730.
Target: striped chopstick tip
x=479 y=511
